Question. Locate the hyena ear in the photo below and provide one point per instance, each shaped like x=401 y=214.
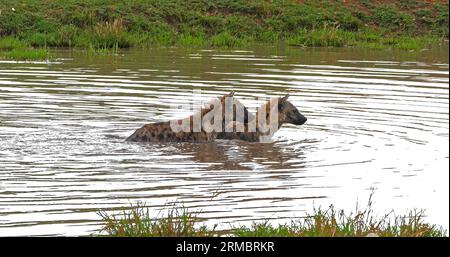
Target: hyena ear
x=284 y=98
x=281 y=102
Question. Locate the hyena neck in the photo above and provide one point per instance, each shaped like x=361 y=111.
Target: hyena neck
x=266 y=126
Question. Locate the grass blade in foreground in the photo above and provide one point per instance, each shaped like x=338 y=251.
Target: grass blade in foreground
x=180 y=222
x=137 y=222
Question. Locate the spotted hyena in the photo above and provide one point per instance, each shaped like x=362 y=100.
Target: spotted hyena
x=173 y=131
x=269 y=118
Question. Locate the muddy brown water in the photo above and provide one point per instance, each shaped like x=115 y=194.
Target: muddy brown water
x=377 y=120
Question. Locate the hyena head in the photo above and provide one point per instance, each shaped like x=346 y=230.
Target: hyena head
x=288 y=113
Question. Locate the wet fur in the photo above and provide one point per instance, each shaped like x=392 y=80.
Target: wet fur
x=287 y=113
x=162 y=131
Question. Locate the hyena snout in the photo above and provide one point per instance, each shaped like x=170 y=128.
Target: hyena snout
x=297 y=118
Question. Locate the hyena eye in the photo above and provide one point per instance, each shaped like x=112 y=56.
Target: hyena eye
x=293 y=112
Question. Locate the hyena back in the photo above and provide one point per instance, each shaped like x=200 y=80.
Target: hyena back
x=163 y=132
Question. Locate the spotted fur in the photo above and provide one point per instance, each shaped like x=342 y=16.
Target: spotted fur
x=287 y=113
x=162 y=131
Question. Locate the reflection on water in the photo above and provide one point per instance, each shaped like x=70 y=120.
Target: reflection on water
x=376 y=119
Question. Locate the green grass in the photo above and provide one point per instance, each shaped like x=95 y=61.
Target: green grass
x=12 y=48
x=107 y=24
x=225 y=39
x=10 y=43
x=138 y=221
x=410 y=43
x=325 y=37
x=26 y=54
x=337 y=37
x=198 y=40
x=336 y=223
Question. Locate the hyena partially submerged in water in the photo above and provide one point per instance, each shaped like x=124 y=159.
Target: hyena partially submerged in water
x=269 y=118
x=203 y=126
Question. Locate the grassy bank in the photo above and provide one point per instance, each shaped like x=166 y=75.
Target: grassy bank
x=105 y=24
x=12 y=48
x=138 y=221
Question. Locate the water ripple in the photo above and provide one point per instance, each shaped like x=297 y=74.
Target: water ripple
x=375 y=119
